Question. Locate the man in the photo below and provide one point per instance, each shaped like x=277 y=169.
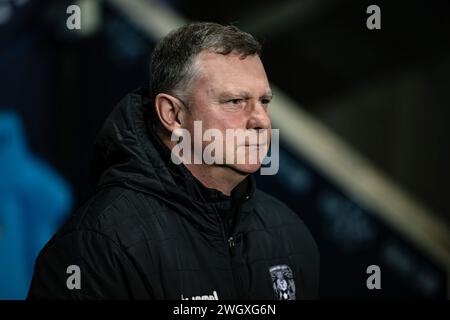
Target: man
x=156 y=229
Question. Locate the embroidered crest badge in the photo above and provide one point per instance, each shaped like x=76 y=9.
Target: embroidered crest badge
x=283 y=282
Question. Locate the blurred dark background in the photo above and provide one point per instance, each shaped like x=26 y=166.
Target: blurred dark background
x=385 y=92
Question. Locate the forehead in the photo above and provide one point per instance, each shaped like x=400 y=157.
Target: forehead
x=218 y=73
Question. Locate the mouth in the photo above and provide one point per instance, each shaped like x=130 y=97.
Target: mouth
x=254 y=145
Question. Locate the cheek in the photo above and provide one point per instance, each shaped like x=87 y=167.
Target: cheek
x=220 y=122
x=234 y=121
x=215 y=119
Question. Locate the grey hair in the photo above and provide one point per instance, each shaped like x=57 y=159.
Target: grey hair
x=172 y=64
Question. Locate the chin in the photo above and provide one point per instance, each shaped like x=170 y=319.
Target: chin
x=246 y=168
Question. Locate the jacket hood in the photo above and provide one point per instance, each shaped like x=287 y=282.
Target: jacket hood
x=127 y=152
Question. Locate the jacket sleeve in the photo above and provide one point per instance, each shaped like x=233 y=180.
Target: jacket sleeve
x=86 y=265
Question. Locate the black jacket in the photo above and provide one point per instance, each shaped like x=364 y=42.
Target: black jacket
x=152 y=231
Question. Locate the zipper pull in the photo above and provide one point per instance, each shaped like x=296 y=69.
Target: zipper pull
x=231 y=244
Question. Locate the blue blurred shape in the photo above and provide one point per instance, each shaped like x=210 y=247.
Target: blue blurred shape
x=34 y=200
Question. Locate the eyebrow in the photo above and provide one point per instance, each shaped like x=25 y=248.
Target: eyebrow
x=244 y=94
x=268 y=94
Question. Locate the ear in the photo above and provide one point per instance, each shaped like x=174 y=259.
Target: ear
x=170 y=111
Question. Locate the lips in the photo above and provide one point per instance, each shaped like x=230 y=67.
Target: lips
x=262 y=144
x=254 y=145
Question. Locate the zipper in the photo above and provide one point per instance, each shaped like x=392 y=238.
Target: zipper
x=231 y=243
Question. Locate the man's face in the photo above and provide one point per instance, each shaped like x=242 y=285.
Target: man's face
x=232 y=93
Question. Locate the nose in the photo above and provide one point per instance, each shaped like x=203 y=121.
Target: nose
x=259 y=117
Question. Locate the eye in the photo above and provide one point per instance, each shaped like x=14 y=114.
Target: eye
x=236 y=101
x=265 y=101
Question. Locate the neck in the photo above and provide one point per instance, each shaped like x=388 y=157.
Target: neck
x=222 y=178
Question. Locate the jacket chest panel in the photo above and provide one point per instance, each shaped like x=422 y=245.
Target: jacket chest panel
x=203 y=267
